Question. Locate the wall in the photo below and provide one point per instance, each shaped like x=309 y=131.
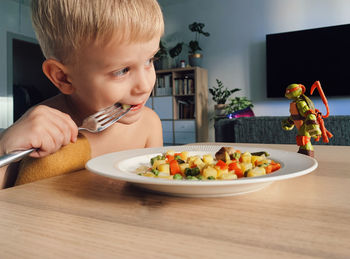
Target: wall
x=15 y=18
x=235 y=50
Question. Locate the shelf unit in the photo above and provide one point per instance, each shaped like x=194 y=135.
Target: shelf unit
x=180 y=98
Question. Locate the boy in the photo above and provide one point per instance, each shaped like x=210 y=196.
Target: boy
x=97 y=53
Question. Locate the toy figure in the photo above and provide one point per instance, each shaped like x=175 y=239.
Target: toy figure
x=307 y=119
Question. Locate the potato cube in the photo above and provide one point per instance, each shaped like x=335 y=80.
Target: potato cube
x=191 y=159
x=246 y=166
x=199 y=163
x=184 y=155
x=183 y=167
x=220 y=171
x=157 y=163
x=256 y=159
x=163 y=175
x=208 y=159
x=227 y=176
x=209 y=171
x=126 y=106
x=148 y=174
x=257 y=171
x=227 y=158
x=246 y=157
x=164 y=168
x=170 y=153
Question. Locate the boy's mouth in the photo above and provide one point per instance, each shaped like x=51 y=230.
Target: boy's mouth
x=134 y=107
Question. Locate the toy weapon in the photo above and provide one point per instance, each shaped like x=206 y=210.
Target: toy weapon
x=325 y=133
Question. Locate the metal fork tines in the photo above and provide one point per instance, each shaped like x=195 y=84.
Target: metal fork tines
x=94 y=123
x=105 y=118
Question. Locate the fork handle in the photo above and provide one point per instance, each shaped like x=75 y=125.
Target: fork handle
x=14 y=156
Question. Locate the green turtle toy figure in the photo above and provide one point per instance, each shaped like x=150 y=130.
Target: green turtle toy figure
x=307 y=119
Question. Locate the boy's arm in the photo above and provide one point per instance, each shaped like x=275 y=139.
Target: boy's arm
x=43 y=128
x=8 y=175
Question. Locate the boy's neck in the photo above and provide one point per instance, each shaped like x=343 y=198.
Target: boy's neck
x=74 y=110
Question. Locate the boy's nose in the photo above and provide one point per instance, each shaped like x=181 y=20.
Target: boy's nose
x=143 y=82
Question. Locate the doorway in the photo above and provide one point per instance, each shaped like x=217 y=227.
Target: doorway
x=29 y=85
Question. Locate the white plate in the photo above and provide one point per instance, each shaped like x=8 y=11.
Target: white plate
x=122 y=166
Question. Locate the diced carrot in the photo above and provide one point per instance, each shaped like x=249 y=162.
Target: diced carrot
x=239 y=173
x=268 y=169
x=170 y=158
x=174 y=167
x=259 y=162
x=275 y=166
x=221 y=164
x=235 y=167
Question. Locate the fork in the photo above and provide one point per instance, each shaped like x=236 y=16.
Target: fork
x=96 y=122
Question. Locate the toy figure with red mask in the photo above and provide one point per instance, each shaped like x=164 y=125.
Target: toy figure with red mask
x=307 y=119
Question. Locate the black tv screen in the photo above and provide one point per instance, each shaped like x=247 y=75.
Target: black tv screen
x=306 y=56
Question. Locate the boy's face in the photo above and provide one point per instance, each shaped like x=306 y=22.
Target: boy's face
x=113 y=73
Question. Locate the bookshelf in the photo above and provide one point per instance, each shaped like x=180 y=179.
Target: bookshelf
x=180 y=98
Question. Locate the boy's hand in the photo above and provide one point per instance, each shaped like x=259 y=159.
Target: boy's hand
x=41 y=127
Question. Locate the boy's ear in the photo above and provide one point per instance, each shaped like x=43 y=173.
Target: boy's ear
x=56 y=72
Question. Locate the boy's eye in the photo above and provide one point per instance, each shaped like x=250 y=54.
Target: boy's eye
x=150 y=61
x=121 y=72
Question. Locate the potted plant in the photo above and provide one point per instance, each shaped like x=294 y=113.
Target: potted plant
x=175 y=52
x=161 y=58
x=194 y=57
x=239 y=107
x=220 y=94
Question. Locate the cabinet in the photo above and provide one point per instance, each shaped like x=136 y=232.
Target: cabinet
x=180 y=98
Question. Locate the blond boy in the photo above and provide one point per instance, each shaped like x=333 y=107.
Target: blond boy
x=97 y=53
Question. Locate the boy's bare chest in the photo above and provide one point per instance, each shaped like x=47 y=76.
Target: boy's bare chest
x=116 y=139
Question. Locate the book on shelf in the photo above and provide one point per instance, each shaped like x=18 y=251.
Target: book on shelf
x=185 y=109
x=163 y=85
x=184 y=85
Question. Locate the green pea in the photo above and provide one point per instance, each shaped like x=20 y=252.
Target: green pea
x=177 y=177
x=155 y=171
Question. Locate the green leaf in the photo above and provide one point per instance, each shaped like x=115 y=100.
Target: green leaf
x=221 y=94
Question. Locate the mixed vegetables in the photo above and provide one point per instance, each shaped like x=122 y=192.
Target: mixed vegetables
x=227 y=164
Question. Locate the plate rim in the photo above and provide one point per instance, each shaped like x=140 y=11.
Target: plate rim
x=120 y=156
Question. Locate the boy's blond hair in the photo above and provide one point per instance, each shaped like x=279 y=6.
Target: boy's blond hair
x=64 y=26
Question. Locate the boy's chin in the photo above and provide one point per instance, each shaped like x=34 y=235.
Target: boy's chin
x=130 y=119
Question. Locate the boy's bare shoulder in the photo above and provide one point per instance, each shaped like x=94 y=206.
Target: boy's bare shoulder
x=57 y=102
x=150 y=115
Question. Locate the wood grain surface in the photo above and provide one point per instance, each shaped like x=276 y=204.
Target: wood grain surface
x=83 y=215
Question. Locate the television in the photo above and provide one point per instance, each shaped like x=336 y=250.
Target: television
x=306 y=56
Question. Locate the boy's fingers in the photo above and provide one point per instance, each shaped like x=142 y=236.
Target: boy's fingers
x=64 y=134
x=50 y=138
x=45 y=128
x=65 y=123
x=72 y=127
x=45 y=146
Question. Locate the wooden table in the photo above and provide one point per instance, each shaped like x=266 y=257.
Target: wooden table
x=83 y=215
